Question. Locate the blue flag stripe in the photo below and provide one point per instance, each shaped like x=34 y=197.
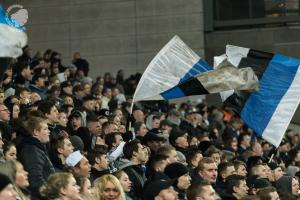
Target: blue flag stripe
x=198 y=68
x=274 y=84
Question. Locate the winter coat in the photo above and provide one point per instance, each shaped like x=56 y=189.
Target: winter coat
x=34 y=157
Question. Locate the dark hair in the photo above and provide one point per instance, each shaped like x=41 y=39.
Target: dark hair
x=46 y=106
x=96 y=153
x=110 y=138
x=137 y=126
x=130 y=148
x=264 y=193
x=7 y=145
x=233 y=181
x=222 y=167
x=156 y=159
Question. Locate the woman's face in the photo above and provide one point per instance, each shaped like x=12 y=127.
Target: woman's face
x=11 y=154
x=87 y=190
x=21 y=176
x=110 y=191
x=16 y=111
x=71 y=191
x=63 y=120
x=125 y=182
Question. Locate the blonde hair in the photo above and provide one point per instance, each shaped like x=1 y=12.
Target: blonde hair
x=101 y=182
x=55 y=182
x=10 y=169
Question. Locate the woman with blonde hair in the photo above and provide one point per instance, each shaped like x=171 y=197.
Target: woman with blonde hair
x=108 y=187
x=19 y=177
x=60 y=186
x=125 y=183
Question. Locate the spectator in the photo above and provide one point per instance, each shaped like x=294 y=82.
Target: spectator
x=268 y=193
x=206 y=170
x=99 y=161
x=85 y=188
x=33 y=154
x=7 y=190
x=202 y=191
x=236 y=187
x=78 y=164
x=9 y=151
x=125 y=183
x=160 y=189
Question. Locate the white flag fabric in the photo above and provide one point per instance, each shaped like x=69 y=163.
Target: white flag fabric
x=174 y=63
x=12 y=36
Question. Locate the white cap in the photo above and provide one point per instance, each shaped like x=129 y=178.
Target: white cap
x=73 y=158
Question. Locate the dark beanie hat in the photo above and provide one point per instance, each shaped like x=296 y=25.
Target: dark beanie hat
x=175 y=170
x=174 y=134
x=153 y=188
x=4 y=181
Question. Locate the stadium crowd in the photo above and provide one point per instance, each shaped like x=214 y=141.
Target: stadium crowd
x=66 y=136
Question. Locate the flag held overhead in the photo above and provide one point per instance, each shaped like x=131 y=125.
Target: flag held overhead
x=12 y=36
x=269 y=110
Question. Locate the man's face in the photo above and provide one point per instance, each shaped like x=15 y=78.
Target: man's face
x=43 y=133
x=84 y=167
x=182 y=141
x=172 y=157
x=143 y=130
x=53 y=116
x=4 y=113
x=155 y=123
x=68 y=90
x=90 y=105
x=242 y=189
x=241 y=170
x=209 y=193
x=141 y=154
x=262 y=171
x=40 y=82
x=278 y=173
x=94 y=128
x=67 y=148
x=246 y=141
x=295 y=186
x=209 y=172
x=184 y=182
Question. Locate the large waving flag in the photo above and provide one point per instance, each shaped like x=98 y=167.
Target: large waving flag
x=12 y=36
x=269 y=110
x=174 y=64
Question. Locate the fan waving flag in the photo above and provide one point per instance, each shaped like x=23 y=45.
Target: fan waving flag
x=269 y=110
x=174 y=64
x=12 y=36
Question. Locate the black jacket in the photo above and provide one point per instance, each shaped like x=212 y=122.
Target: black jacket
x=34 y=157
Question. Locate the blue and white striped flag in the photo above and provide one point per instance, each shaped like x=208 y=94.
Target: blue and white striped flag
x=269 y=110
x=12 y=36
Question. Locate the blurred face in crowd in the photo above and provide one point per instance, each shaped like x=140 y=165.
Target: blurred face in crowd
x=141 y=155
x=53 y=116
x=209 y=172
x=102 y=162
x=94 y=127
x=257 y=149
x=68 y=101
x=71 y=191
x=208 y=193
x=84 y=168
x=89 y=105
x=167 y=194
x=274 y=196
x=1 y=97
x=196 y=159
x=125 y=182
x=87 y=190
x=278 y=173
x=216 y=157
x=16 y=111
x=184 y=181
x=21 y=176
x=155 y=123
x=76 y=122
x=8 y=193
x=40 y=82
x=229 y=171
x=43 y=133
x=25 y=95
x=246 y=141
x=4 y=113
x=261 y=171
x=241 y=170
x=87 y=89
x=68 y=89
x=172 y=157
x=63 y=120
x=182 y=141
x=142 y=131
x=139 y=115
x=110 y=192
x=67 y=148
x=295 y=186
x=11 y=154
x=34 y=97
x=242 y=189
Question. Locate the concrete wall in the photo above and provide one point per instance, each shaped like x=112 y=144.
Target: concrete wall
x=284 y=40
x=112 y=34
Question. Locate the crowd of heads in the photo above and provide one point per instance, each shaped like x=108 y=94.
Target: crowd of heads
x=65 y=135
